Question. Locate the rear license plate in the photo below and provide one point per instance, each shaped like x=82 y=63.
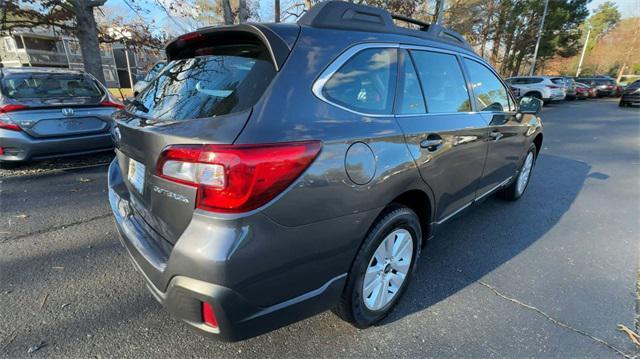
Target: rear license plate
x=136 y=175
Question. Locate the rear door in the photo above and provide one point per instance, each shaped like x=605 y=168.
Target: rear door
x=507 y=134
x=446 y=138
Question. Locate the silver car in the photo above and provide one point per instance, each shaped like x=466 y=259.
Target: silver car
x=47 y=112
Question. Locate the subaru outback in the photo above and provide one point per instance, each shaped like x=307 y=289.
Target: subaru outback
x=274 y=171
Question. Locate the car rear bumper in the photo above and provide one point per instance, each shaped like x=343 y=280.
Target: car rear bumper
x=631 y=98
x=18 y=146
x=197 y=270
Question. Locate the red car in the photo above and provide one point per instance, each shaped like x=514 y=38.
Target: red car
x=584 y=91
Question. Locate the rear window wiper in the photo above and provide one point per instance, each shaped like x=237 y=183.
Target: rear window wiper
x=139 y=105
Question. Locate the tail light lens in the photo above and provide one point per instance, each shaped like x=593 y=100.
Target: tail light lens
x=11 y=108
x=9 y=126
x=117 y=105
x=236 y=178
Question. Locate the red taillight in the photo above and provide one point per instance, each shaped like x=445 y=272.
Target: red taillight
x=117 y=105
x=208 y=315
x=11 y=108
x=9 y=126
x=236 y=178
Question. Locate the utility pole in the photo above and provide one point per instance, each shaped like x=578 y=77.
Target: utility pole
x=277 y=10
x=440 y=7
x=584 y=49
x=535 y=52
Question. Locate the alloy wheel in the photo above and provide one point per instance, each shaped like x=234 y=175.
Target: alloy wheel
x=388 y=269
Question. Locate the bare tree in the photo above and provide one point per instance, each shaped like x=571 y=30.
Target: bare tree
x=243 y=11
x=227 y=13
x=62 y=14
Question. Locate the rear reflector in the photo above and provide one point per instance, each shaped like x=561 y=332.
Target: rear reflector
x=236 y=178
x=117 y=105
x=208 y=315
x=11 y=108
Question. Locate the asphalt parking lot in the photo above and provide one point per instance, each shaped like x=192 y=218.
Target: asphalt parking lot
x=549 y=276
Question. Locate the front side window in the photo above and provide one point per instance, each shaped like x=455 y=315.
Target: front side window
x=445 y=89
x=366 y=82
x=221 y=81
x=489 y=93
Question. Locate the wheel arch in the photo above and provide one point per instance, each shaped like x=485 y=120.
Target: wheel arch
x=538 y=142
x=419 y=202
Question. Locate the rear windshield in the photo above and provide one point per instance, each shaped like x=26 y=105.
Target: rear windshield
x=43 y=86
x=220 y=81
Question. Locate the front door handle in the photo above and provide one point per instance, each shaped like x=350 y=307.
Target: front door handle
x=495 y=135
x=432 y=142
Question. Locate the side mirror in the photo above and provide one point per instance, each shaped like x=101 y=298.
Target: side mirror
x=530 y=105
x=136 y=93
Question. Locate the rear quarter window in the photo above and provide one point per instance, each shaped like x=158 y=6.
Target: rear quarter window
x=366 y=82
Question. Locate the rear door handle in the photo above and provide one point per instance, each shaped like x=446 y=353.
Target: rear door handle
x=432 y=142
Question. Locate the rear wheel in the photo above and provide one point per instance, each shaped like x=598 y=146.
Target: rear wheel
x=516 y=189
x=382 y=268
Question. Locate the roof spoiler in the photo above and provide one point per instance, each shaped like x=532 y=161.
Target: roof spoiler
x=350 y=16
x=279 y=49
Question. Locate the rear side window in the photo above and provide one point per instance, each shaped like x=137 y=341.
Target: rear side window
x=366 y=82
x=43 y=86
x=488 y=90
x=223 y=80
x=557 y=81
x=411 y=100
x=444 y=86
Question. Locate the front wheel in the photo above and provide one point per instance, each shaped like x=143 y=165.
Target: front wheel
x=382 y=268
x=516 y=189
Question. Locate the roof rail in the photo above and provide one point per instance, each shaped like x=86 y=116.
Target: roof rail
x=349 y=16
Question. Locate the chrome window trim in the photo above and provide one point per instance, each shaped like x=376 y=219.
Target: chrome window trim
x=336 y=64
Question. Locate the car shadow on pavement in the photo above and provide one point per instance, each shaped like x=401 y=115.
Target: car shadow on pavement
x=486 y=237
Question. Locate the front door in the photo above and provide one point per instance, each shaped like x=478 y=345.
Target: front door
x=446 y=139
x=507 y=134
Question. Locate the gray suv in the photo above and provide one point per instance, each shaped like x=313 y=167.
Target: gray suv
x=274 y=171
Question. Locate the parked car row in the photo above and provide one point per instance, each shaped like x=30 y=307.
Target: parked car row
x=557 y=88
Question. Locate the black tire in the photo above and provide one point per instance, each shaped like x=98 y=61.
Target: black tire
x=622 y=104
x=351 y=307
x=511 y=193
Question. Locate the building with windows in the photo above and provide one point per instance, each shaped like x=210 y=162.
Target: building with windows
x=49 y=49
